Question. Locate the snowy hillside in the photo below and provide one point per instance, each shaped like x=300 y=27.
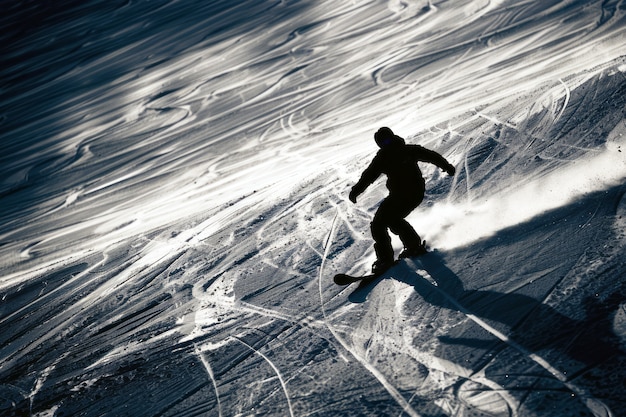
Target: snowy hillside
x=173 y=208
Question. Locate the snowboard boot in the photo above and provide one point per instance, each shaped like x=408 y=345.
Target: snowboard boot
x=384 y=257
x=380 y=266
x=413 y=252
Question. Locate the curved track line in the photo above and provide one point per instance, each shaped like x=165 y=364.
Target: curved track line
x=597 y=407
x=209 y=371
x=565 y=103
x=375 y=372
x=280 y=377
x=331 y=235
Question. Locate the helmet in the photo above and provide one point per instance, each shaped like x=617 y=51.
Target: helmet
x=383 y=137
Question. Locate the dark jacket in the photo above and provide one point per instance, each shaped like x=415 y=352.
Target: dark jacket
x=399 y=162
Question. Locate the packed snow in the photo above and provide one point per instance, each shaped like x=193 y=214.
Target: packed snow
x=173 y=208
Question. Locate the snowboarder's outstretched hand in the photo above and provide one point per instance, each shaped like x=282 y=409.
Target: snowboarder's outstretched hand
x=352 y=196
x=450 y=170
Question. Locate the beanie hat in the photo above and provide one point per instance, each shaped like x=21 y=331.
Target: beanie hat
x=384 y=136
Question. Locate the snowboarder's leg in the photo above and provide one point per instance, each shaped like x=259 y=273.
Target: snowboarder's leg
x=407 y=234
x=412 y=242
x=382 y=240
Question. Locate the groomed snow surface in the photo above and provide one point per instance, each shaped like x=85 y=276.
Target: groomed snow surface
x=173 y=207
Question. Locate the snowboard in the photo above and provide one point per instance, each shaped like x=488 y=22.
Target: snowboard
x=346 y=279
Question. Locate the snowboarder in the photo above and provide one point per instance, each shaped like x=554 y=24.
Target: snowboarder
x=406 y=187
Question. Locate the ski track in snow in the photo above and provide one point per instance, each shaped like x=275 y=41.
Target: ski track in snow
x=597 y=407
x=173 y=207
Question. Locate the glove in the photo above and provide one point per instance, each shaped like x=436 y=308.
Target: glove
x=450 y=170
x=352 y=196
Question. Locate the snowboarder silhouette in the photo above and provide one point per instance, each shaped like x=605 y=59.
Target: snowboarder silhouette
x=406 y=185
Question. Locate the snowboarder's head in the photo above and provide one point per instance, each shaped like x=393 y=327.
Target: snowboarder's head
x=383 y=137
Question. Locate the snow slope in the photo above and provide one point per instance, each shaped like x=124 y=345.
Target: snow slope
x=173 y=208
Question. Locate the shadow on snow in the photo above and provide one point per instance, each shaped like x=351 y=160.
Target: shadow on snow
x=529 y=324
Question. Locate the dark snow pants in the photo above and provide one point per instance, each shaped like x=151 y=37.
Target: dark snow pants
x=390 y=215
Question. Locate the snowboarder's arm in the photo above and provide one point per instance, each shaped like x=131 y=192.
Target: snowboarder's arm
x=371 y=173
x=426 y=155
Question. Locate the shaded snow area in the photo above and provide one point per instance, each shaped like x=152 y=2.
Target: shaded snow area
x=173 y=208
